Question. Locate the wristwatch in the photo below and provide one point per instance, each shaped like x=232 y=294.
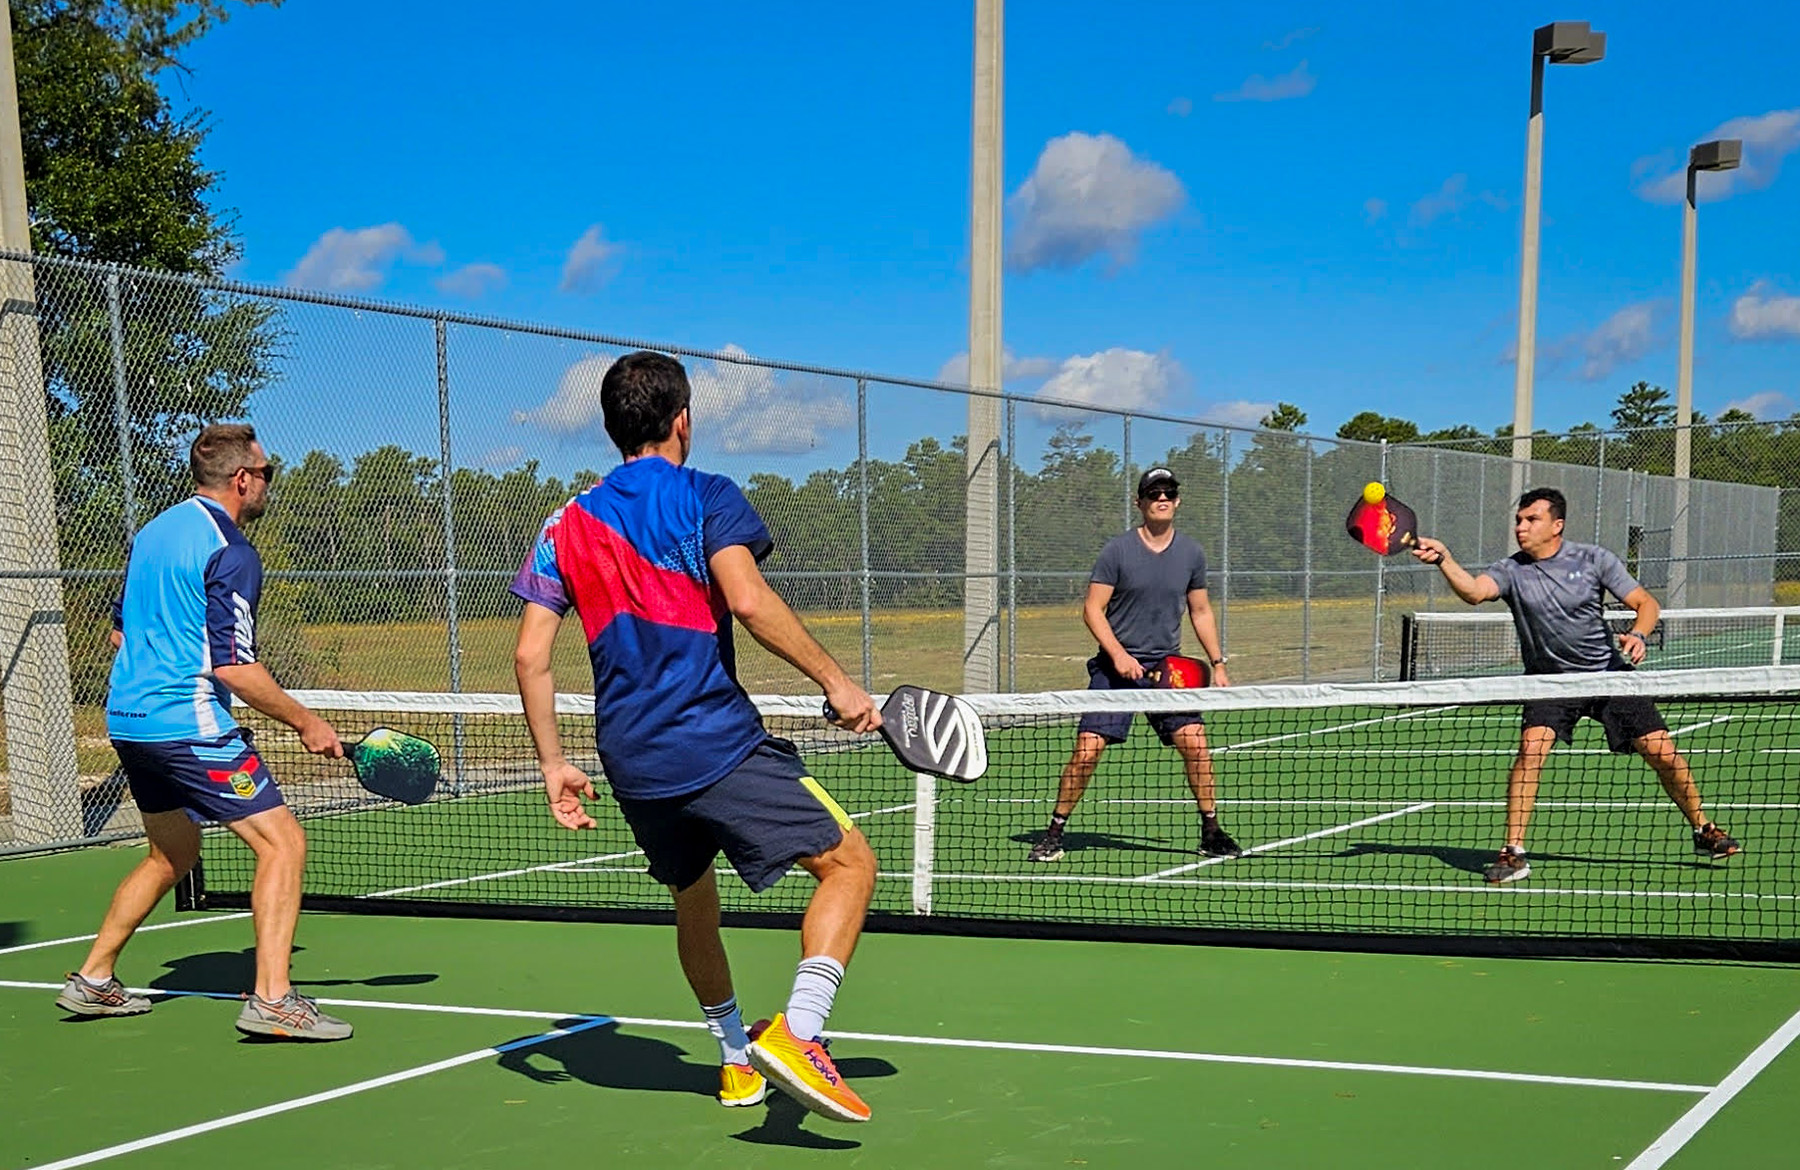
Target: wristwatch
x=1221 y=660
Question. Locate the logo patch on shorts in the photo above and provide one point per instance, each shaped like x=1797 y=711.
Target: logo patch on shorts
x=241 y=780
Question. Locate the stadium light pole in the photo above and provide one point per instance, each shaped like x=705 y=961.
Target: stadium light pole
x=981 y=548
x=1721 y=154
x=40 y=711
x=1566 y=42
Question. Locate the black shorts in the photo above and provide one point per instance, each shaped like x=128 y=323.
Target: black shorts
x=1625 y=720
x=221 y=779
x=1114 y=726
x=765 y=814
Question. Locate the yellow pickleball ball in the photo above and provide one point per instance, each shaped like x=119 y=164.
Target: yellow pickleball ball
x=1374 y=493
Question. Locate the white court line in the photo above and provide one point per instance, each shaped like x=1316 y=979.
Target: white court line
x=1009 y=1046
x=79 y=938
x=188 y=1131
x=1683 y=1131
x=1277 y=802
x=564 y=866
x=1331 y=832
x=1473 y=888
x=1698 y=726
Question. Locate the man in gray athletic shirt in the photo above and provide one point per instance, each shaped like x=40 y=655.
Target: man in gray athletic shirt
x=1554 y=588
x=1143 y=582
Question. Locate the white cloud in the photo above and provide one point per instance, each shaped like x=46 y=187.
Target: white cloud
x=1295 y=83
x=1088 y=195
x=1763 y=312
x=1374 y=210
x=739 y=409
x=590 y=262
x=1768 y=138
x=1770 y=404
x=1126 y=379
x=358 y=259
x=955 y=372
x=501 y=457
x=1294 y=37
x=1237 y=413
x=1181 y=107
x=1625 y=336
x=1446 y=200
x=472 y=280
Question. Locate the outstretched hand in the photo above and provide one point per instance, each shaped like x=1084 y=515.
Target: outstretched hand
x=564 y=787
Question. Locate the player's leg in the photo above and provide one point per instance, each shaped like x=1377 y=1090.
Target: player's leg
x=1188 y=736
x=1077 y=773
x=174 y=847
x=279 y=844
x=1544 y=724
x=1657 y=748
x=708 y=970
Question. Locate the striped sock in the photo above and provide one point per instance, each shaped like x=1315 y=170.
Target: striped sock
x=815 y=986
x=726 y=1024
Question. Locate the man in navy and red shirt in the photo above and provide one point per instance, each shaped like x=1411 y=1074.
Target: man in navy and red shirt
x=657 y=560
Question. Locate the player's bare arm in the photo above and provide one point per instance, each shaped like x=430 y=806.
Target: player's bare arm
x=564 y=783
x=1649 y=612
x=252 y=682
x=1206 y=628
x=1472 y=588
x=1093 y=612
x=779 y=631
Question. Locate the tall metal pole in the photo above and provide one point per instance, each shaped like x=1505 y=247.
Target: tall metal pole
x=446 y=474
x=115 y=318
x=981 y=594
x=39 y=703
x=1012 y=546
x=1524 y=368
x=862 y=526
x=1684 y=401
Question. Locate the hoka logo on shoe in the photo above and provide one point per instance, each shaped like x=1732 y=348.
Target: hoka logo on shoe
x=823 y=1067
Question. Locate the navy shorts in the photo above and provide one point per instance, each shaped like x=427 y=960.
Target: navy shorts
x=765 y=814
x=1625 y=720
x=221 y=779
x=1114 y=726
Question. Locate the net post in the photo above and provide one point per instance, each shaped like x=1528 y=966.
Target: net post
x=121 y=402
x=924 y=839
x=459 y=746
x=1409 y=647
x=862 y=506
x=1380 y=576
x=190 y=890
x=1780 y=631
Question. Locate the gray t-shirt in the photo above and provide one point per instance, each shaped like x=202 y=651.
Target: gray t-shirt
x=1559 y=609
x=1149 y=591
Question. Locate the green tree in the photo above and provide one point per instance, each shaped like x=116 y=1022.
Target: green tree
x=1371 y=427
x=1285 y=417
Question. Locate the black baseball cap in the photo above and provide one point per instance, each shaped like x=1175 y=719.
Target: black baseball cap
x=1157 y=477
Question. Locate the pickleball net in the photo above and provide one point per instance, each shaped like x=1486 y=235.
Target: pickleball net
x=1366 y=813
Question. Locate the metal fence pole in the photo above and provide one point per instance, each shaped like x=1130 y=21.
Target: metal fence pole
x=1380 y=575
x=446 y=471
x=862 y=505
x=121 y=405
x=1480 y=513
x=1306 y=575
x=1224 y=537
x=1012 y=549
x=1125 y=474
x=1600 y=489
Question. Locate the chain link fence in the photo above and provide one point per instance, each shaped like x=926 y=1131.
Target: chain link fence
x=419 y=452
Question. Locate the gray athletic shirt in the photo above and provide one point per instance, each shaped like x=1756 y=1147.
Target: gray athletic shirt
x=1149 y=591
x=1558 y=607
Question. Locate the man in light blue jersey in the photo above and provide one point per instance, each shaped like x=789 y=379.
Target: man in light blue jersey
x=185 y=630
x=1555 y=589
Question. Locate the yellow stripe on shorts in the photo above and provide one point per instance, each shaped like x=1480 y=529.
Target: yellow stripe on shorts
x=831 y=806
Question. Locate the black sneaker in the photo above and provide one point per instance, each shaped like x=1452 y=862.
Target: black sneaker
x=1510 y=866
x=1712 y=841
x=1049 y=848
x=1216 y=842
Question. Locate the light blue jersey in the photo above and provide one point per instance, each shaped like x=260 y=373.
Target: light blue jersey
x=189 y=605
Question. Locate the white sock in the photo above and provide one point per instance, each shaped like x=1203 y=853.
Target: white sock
x=726 y=1024
x=96 y=984
x=815 y=986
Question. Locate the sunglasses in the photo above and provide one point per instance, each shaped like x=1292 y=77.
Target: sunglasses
x=266 y=472
x=1161 y=494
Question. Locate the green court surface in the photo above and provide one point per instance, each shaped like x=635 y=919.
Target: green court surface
x=987 y=1052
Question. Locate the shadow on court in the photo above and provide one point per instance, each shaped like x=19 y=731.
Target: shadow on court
x=1477 y=860
x=1077 y=842
x=782 y=1116
x=234 y=972
x=11 y=933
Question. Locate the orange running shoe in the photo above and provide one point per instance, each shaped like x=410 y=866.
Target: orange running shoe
x=741 y=1084
x=803 y=1070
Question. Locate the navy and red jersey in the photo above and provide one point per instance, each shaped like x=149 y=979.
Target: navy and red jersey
x=630 y=554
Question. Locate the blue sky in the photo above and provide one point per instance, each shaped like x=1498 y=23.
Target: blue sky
x=1211 y=207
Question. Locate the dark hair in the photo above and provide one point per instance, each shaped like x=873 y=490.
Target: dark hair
x=218 y=451
x=640 y=397
x=1559 y=507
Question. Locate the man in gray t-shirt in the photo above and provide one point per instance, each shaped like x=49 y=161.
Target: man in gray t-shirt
x=1142 y=585
x=1556 y=591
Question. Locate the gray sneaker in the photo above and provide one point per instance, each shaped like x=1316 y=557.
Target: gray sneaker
x=1048 y=848
x=292 y=1017
x=111 y=998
